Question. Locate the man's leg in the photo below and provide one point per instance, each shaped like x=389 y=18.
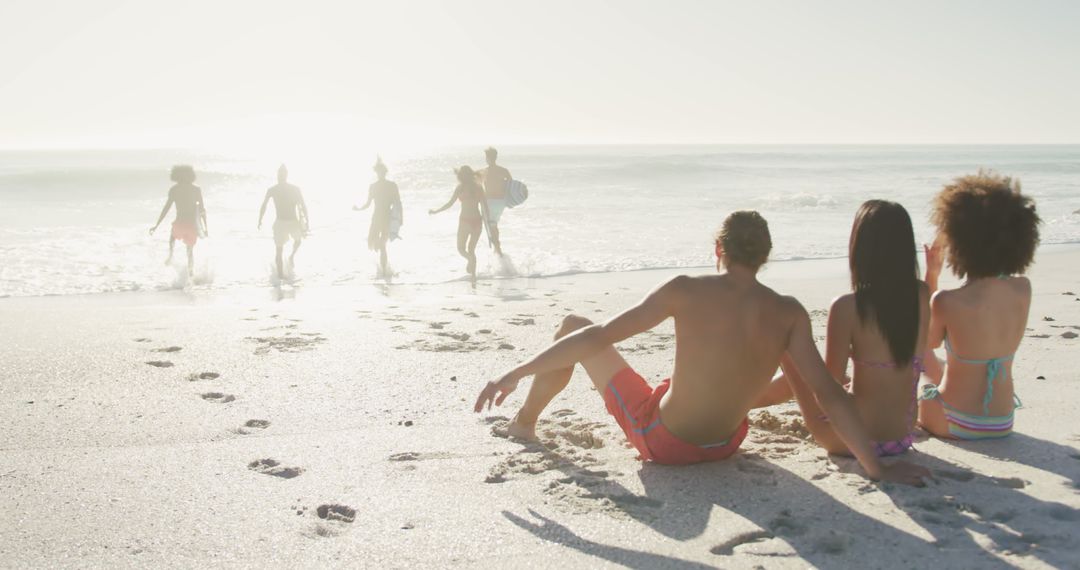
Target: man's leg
x=172 y=244
x=277 y=260
x=295 y=246
x=382 y=259
x=191 y=260
x=600 y=367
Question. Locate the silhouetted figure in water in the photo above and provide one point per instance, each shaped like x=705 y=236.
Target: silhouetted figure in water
x=473 y=211
x=292 y=217
x=190 y=210
x=387 y=217
x=495 y=180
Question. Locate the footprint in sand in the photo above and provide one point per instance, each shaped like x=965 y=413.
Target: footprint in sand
x=521 y=322
x=168 y=349
x=160 y=363
x=202 y=376
x=833 y=542
x=142 y=339
x=1063 y=513
x=217 y=397
x=1069 y=334
x=339 y=513
x=727 y=548
x=257 y=424
x=1010 y=482
x=786 y=525
x=333 y=517
x=963 y=476
x=273 y=467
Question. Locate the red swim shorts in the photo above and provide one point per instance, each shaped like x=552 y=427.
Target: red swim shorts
x=636 y=406
x=185 y=232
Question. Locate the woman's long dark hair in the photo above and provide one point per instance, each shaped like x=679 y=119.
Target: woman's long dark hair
x=885 y=275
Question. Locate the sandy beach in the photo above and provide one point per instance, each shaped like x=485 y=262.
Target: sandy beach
x=286 y=428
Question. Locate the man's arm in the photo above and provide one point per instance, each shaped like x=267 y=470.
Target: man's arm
x=370 y=198
x=262 y=209
x=397 y=204
x=302 y=207
x=838 y=405
x=656 y=307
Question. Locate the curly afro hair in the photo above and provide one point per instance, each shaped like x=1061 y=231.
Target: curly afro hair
x=989 y=227
x=745 y=239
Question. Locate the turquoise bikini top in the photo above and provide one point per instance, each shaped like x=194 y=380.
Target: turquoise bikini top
x=994 y=368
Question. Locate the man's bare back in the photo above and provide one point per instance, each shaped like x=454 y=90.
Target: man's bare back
x=495 y=178
x=730 y=337
x=287 y=199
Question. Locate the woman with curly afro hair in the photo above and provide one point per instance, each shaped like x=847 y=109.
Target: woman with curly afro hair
x=987 y=233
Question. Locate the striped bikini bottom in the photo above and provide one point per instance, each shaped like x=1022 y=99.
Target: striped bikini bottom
x=969 y=426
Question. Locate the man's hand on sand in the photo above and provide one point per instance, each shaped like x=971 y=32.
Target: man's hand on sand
x=152 y=230
x=905 y=473
x=495 y=392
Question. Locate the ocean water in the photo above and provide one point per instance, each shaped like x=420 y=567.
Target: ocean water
x=75 y=222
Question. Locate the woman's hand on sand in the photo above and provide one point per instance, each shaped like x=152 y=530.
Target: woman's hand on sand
x=905 y=473
x=152 y=230
x=432 y=211
x=495 y=392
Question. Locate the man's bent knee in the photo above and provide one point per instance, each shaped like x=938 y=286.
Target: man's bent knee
x=571 y=323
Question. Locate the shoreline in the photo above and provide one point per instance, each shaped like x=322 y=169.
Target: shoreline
x=781 y=270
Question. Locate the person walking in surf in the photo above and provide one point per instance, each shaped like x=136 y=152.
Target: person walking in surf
x=190 y=210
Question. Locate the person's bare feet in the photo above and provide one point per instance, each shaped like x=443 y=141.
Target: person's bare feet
x=516 y=430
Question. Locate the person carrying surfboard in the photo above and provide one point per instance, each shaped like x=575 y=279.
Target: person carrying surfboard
x=292 y=217
x=387 y=216
x=495 y=180
x=190 y=222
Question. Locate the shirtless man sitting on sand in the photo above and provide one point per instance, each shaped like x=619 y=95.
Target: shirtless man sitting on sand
x=731 y=333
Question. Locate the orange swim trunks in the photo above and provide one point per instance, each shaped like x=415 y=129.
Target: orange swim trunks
x=185 y=232
x=636 y=406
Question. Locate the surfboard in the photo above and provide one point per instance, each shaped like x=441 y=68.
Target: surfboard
x=395 y=223
x=516 y=193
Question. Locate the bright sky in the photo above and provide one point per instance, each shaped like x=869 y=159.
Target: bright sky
x=234 y=72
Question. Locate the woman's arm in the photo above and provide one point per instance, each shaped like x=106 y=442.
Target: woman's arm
x=838 y=336
x=585 y=342
x=457 y=192
x=936 y=333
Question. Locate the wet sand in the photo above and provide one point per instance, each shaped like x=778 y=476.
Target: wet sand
x=334 y=426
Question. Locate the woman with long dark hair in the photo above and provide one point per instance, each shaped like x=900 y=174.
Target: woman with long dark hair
x=881 y=326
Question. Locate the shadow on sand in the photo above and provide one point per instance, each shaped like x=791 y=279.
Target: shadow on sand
x=964 y=519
